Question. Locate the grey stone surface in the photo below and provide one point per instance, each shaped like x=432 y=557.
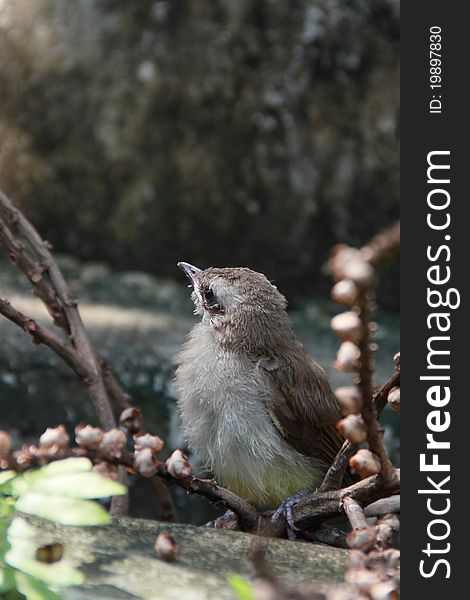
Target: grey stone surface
x=119 y=560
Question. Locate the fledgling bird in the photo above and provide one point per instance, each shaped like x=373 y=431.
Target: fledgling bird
x=254 y=406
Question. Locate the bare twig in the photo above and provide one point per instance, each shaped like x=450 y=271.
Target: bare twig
x=59 y=301
x=355 y=513
x=335 y=474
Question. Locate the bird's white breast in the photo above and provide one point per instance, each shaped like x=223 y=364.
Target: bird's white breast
x=225 y=420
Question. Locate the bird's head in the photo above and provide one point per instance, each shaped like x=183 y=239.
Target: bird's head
x=239 y=304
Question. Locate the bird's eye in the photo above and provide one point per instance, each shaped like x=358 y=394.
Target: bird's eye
x=209 y=295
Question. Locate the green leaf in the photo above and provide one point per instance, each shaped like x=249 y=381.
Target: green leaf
x=242 y=588
x=68 y=511
x=78 y=485
x=60 y=574
x=6 y=476
x=34 y=589
x=73 y=464
x=7 y=579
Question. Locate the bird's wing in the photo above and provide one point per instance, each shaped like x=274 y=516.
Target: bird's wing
x=302 y=405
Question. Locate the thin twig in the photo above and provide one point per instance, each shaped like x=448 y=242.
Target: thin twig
x=355 y=513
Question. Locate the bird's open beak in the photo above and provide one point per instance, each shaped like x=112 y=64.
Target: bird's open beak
x=190 y=271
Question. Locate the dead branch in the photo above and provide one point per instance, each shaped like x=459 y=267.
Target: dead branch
x=355 y=513
x=335 y=474
x=60 y=303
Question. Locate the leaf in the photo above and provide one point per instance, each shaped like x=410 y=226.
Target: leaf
x=68 y=511
x=79 y=485
x=34 y=589
x=59 y=574
x=74 y=464
x=7 y=579
x=6 y=476
x=242 y=588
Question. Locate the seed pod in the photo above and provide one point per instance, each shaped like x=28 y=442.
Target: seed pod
x=145 y=462
x=178 y=465
x=393 y=399
x=364 y=463
x=341 y=255
x=347 y=326
x=166 y=546
x=113 y=441
x=148 y=441
x=6 y=443
x=349 y=398
x=55 y=436
x=352 y=428
x=50 y=553
x=360 y=272
x=87 y=436
x=131 y=419
x=344 y=292
x=347 y=357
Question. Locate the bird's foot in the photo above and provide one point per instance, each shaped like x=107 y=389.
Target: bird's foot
x=285 y=512
x=229 y=520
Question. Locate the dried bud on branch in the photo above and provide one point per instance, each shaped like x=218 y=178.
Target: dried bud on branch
x=344 y=292
x=347 y=357
x=350 y=399
x=349 y=263
x=166 y=546
x=50 y=553
x=364 y=463
x=347 y=326
x=113 y=441
x=6 y=443
x=145 y=462
x=148 y=441
x=353 y=429
x=55 y=437
x=87 y=436
x=393 y=399
x=131 y=419
x=178 y=465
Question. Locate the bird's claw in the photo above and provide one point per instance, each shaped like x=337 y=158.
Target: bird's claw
x=229 y=520
x=285 y=512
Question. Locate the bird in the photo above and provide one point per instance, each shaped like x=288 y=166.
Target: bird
x=254 y=406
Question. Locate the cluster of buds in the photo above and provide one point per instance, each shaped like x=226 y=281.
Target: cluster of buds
x=374 y=575
x=146 y=445
x=352 y=265
x=354 y=276
x=106 y=449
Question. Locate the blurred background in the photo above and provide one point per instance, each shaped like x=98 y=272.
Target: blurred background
x=136 y=134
